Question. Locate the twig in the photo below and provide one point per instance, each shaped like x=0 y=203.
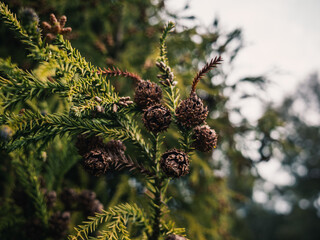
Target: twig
x=127 y=162
x=213 y=63
x=117 y=72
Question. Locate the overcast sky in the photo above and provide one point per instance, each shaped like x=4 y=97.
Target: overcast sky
x=282 y=37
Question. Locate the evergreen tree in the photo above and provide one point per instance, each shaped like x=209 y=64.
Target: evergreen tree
x=57 y=95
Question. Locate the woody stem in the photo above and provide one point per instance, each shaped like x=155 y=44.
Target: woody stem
x=157 y=195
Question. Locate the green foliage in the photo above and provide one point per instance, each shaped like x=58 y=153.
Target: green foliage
x=115 y=220
x=163 y=51
x=57 y=92
x=28 y=178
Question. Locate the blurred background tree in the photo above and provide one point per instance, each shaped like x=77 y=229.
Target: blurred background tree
x=125 y=34
x=300 y=158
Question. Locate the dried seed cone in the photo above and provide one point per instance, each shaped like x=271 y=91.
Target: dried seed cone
x=58 y=224
x=191 y=111
x=157 y=118
x=175 y=237
x=205 y=138
x=69 y=196
x=85 y=144
x=86 y=197
x=115 y=149
x=89 y=204
x=95 y=207
x=175 y=163
x=51 y=198
x=147 y=93
x=115 y=146
x=97 y=161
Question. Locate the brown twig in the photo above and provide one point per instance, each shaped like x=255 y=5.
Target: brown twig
x=209 y=65
x=127 y=162
x=117 y=72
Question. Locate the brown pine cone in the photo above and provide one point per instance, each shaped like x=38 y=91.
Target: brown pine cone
x=175 y=237
x=191 y=111
x=58 y=224
x=85 y=144
x=69 y=196
x=205 y=138
x=51 y=198
x=115 y=149
x=95 y=207
x=147 y=93
x=175 y=163
x=86 y=197
x=157 y=118
x=115 y=146
x=89 y=204
x=97 y=161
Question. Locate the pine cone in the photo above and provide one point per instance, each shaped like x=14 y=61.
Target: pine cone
x=205 y=138
x=115 y=149
x=86 y=197
x=89 y=204
x=95 y=207
x=157 y=118
x=147 y=93
x=175 y=163
x=97 y=161
x=115 y=146
x=85 y=144
x=175 y=237
x=191 y=111
x=69 y=196
x=51 y=198
x=58 y=224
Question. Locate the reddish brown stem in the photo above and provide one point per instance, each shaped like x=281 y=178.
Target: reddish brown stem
x=117 y=72
x=209 y=65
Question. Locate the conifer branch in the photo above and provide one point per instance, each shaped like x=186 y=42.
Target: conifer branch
x=33 y=127
x=169 y=227
x=133 y=132
x=127 y=162
x=38 y=126
x=16 y=91
x=73 y=56
x=172 y=96
x=11 y=20
x=209 y=65
x=163 y=51
x=114 y=72
x=116 y=218
x=28 y=178
x=9 y=215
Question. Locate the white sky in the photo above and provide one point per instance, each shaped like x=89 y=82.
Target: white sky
x=282 y=37
x=282 y=41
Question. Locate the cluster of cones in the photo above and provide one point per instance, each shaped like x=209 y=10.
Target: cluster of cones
x=70 y=200
x=85 y=201
x=99 y=157
x=190 y=114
